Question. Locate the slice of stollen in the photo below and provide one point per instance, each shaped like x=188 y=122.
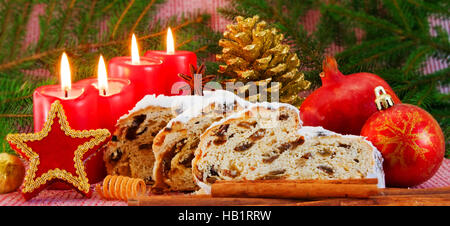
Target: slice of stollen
x=275 y=147
x=174 y=145
x=231 y=148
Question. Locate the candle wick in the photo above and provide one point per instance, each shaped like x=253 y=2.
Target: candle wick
x=104 y=92
x=66 y=93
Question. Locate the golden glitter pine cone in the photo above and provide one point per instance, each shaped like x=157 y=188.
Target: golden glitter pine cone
x=254 y=51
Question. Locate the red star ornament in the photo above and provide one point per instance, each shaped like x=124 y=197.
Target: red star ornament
x=55 y=154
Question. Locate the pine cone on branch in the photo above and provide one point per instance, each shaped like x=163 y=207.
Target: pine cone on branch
x=255 y=52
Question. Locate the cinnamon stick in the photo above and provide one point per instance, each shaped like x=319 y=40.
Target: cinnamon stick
x=293 y=190
x=204 y=200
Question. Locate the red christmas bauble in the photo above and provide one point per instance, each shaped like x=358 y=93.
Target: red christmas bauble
x=410 y=140
x=344 y=102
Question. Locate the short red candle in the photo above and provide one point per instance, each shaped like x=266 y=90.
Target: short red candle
x=145 y=76
x=173 y=64
x=79 y=106
x=114 y=102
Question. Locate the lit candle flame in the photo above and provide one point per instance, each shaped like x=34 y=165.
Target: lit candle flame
x=102 y=76
x=66 y=83
x=135 y=59
x=170 y=42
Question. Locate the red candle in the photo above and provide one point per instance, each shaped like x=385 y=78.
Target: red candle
x=143 y=72
x=174 y=62
x=78 y=102
x=115 y=96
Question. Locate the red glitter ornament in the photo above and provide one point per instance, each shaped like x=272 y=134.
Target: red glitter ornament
x=409 y=138
x=56 y=153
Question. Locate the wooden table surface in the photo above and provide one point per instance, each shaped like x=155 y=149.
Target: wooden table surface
x=386 y=197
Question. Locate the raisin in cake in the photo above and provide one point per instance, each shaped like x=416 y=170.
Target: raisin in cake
x=246 y=146
x=174 y=146
x=129 y=152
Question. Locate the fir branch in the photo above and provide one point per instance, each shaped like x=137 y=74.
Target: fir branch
x=377 y=55
x=196 y=20
x=426 y=93
x=16 y=115
x=399 y=11
x=125 y=11
x=45 y=29
x=19 y=28
x=11 y=64
x=419 y=81
x=16 y=99
x=144 y=12
x=107 y=7
x=181 y=44
x=84 y=26
x=368 y=45
x=365 y=18
x=415 y=58
x=200 y=49
x=5 y=21
x=441 y=8
x=66 y=16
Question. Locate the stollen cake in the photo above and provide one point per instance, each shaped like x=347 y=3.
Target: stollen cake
x=174 y=145
x=267 y=142
x=129 y=152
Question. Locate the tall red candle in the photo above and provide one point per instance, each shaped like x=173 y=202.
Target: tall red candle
x=143 y=76
x=174 y=62
x=143 y=72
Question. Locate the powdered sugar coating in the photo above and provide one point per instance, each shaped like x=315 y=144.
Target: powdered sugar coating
x=314 y=131
x=181 y=103
x=219 y=97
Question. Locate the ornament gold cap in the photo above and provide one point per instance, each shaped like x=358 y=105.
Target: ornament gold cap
x=382 y=99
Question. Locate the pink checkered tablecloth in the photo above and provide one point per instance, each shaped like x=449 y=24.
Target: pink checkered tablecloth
x=177 y=7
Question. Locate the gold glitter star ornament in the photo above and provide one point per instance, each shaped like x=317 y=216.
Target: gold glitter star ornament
x=56 y=153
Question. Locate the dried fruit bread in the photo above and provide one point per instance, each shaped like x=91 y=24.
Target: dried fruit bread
x=266 y=142
x=174 y=145
x=129 y=152
x=336 y=156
